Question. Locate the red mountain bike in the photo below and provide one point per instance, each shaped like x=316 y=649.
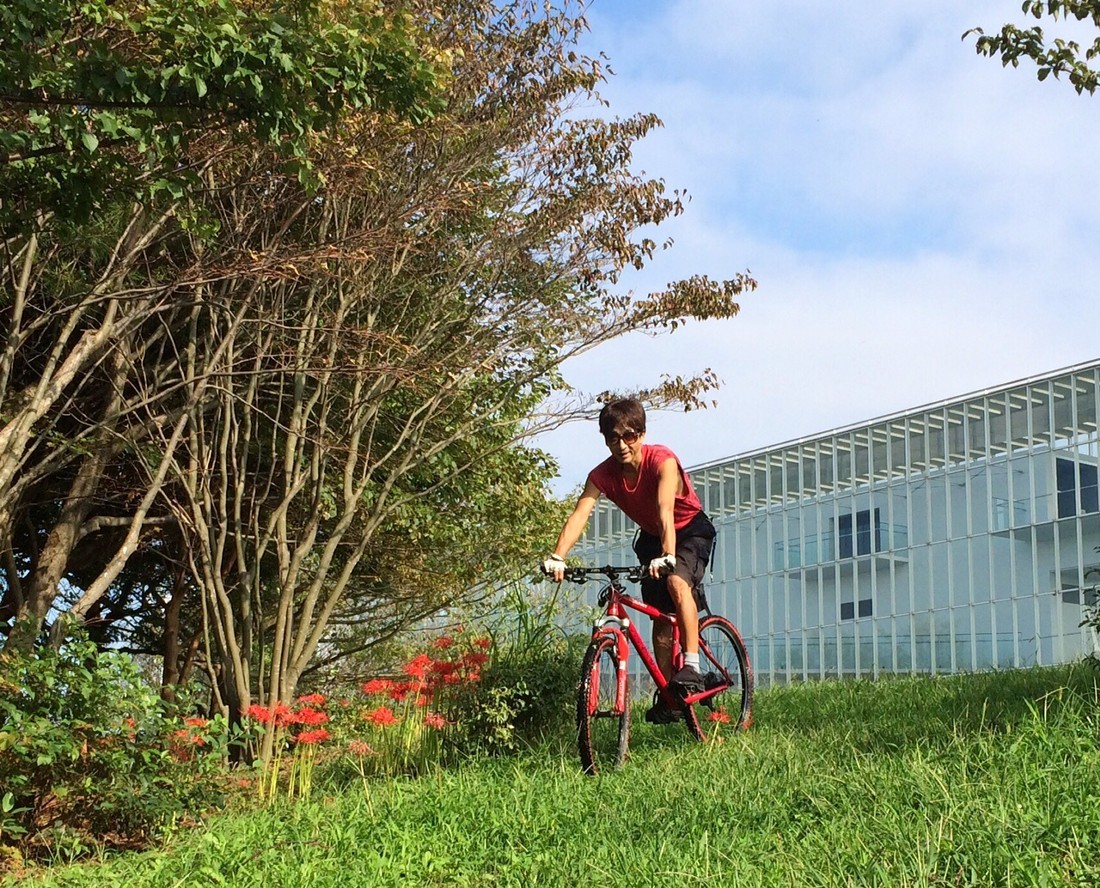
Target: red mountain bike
x=603 y=699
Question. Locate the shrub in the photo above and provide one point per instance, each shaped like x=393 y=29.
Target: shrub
x=528 y=690
x=89 y=756
x=522 y=698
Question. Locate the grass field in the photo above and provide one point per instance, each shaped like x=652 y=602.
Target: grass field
x=982 y=780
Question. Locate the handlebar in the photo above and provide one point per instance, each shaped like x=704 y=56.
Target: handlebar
x=634 y=573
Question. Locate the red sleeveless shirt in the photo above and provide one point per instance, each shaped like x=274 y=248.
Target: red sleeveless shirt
x=639 y=501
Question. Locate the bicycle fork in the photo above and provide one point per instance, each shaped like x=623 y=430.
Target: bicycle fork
x=617 y=629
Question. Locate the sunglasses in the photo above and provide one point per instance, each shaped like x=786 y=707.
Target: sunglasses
x=628 y=436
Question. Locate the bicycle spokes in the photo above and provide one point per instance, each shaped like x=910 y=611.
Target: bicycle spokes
x=603 y=721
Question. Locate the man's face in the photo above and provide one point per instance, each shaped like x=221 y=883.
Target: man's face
x=625 y=445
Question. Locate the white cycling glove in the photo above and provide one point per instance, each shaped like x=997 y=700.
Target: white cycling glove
x=554 y=566
x=663 y=565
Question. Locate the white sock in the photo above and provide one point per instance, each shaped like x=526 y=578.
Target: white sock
x=692 y=660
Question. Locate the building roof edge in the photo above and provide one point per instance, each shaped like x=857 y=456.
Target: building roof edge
x=889 y=417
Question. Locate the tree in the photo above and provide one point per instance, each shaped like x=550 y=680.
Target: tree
x=113 y=112
x=329 y=393
x=1055 y=56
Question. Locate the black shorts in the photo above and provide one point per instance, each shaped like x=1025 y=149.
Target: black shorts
x=694 y=543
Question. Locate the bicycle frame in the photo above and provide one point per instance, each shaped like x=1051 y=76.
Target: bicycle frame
x=616 y=623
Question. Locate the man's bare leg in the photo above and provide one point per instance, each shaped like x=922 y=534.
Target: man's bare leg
x=662 y=647
x=686 y=612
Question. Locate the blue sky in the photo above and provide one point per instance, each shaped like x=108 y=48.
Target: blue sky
x=923 y=223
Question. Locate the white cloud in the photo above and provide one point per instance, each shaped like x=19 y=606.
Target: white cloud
x=921 y=220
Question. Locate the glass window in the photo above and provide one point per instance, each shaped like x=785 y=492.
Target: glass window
x=859 y=533
x=956 y=443
x=998 y=424
x=744 y=488
x=918 y=528
x=729 y=489
x=937 y=454
x=880 y=440
x=1069 y=479
x=809 y=472
x=918 y=459
x=843 y=464
x=937 y=507
x=1086 y=404
x=979 y=499
x=826 y=469
x=1018 y=419
x=775 y=479
x=794 y=479
x=849 y=610
x=976 y=443
x=714 y=495
x=898 y=464
x=1040 y=415
x=862 y=459
x=760 y=483
x=960 y=572
x=957 y=494
x=1062 y=408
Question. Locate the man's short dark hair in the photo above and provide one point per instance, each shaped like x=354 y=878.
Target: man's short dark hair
x=625 y=413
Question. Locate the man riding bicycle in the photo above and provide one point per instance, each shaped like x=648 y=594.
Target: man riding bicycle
x=648 y=483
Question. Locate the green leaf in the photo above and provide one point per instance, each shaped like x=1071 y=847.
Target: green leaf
x=90 y=141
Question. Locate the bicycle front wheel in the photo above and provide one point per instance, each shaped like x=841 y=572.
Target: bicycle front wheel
x=723 y=660
x=603 y=727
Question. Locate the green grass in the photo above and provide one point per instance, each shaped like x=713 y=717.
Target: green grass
x=981 y=780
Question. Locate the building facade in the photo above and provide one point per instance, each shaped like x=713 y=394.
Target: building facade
x=962 y=535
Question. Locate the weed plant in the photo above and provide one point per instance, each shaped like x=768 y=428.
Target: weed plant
x=976 y=780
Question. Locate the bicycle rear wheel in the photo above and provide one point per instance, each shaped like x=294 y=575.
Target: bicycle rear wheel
x=723 y=659
x=603 y=727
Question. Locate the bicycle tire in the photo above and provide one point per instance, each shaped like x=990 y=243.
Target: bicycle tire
x=603 y=730
x=722 y=652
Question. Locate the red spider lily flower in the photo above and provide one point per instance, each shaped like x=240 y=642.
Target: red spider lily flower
x=418 y=666
x=261 y=713
x=423 y=700
x=483 y=643
x=476 y=658
x=382 y=716
x=452 y=678
x=443 y=642
x=307 y=716
x=444 y=667
x=195 y=722
x=359 y=748
x=312 y=699
x=308 y=738
x=283 y=715
x=435 y=720
x=719 y=716
x=473 y=676
x=186 y=738
x=400 y=690
x=377 y=686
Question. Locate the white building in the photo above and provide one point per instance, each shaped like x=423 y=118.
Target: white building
x=957 y=536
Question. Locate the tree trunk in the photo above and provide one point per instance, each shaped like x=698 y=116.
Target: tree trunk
x=171 y=669
x=42 y=588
